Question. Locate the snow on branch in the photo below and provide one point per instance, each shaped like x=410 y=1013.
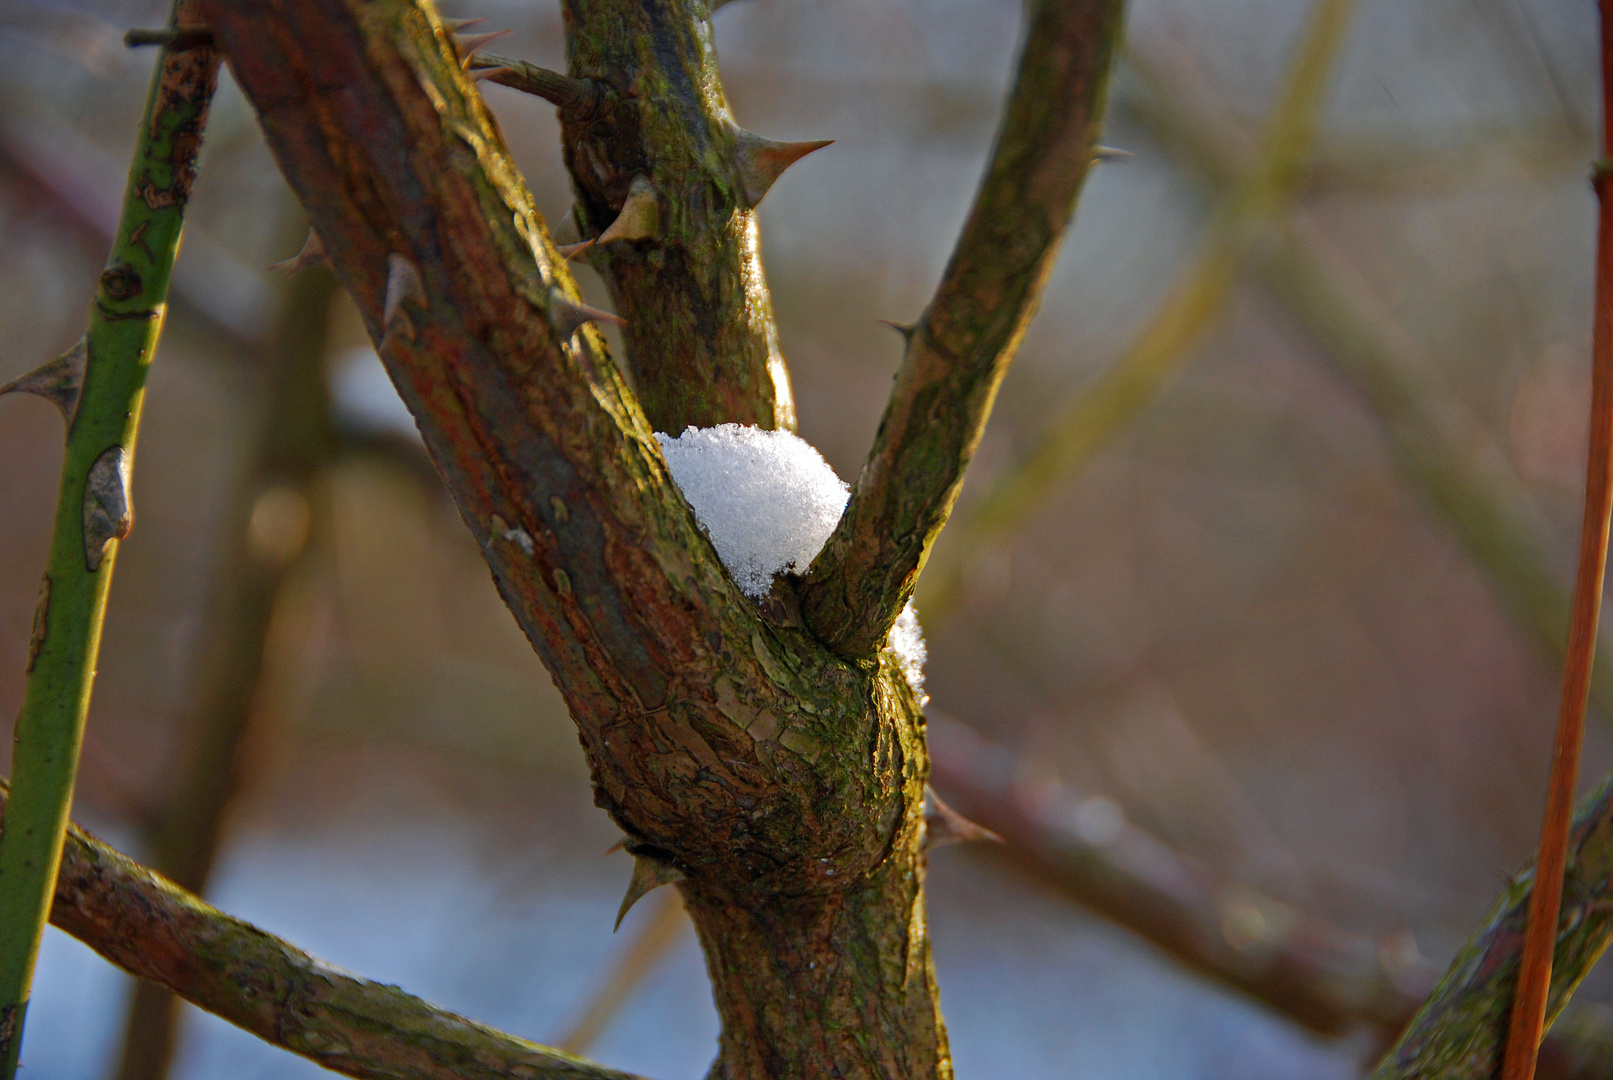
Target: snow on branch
x=768 y=501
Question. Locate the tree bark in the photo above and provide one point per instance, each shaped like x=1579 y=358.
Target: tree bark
x=781 y=780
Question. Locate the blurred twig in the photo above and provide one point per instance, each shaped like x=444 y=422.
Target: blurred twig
x=152 y=928
x=1540 y=937
x=264 y=531
x=652 y=940
x=1260 y=196
x=1442 y=453
x=1306 y=970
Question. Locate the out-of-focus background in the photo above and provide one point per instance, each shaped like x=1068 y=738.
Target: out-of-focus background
x=1265 y=552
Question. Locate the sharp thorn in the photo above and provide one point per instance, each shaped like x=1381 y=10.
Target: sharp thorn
x=566 y=232
x=648 y=875
x=403 y=284
x=59 y=381
x=470 y=44
x=483 y=74
x=944 y=825
x=456 y=25
x=620 y=845
x=571 y=251
x=1109 y=153
x=762 y=161
x=640 y=216
x=905 y=329
x=567 y=315
x=312 y=253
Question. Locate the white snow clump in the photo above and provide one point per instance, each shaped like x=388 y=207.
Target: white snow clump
x=769 y=503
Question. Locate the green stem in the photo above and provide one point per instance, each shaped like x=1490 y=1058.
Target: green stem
x=92 y=513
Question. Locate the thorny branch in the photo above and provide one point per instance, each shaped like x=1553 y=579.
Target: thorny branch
x=961 y=346
x=152 y=928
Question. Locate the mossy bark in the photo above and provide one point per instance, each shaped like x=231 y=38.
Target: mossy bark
x=701 y=340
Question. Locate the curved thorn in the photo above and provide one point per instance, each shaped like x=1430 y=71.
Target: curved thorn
x=481 y=74
x=1109 y=153
x=648 y=875
x=762 y=161
x=59 y=381
x=567 y=315
x=905 y=329
x=640 y=216
x=311 y=253
x=571 y=251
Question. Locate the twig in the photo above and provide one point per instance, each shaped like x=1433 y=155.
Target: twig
x=153 y=929
x=1459 y=1031
x=652 y=939
x=1534 y=978
x=1481 y=500
x=1086 y=425
x=93 y=509
x=960 y=348
x=1303 y=969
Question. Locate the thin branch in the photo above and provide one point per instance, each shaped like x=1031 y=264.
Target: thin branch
x=961 y=347
x=1084 y=427
x=652 y=940
x=582 y=97
x=1534 y=979
x=150 y=927
x=1458 y=1033
x=1303 y=969
x=99 y=386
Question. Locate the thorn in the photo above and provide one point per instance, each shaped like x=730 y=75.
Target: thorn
x=312 y=253
x=571 y=251
x=483 y=74
x=107 y=513
x=640 y=217
x=944 y=825
x=648 y=875
x=172 y=37
x=1109 y=153
x=59 y=381
x=762 y=161
x=566 y=315
x=566 y=232
x=907 y=330
x=620 y=845
x=456 y=25
x=402 y=284
x=470 y=44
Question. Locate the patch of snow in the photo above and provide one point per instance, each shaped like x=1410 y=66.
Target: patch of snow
x=907 y=642
x=769 y=502
x=767 y=499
